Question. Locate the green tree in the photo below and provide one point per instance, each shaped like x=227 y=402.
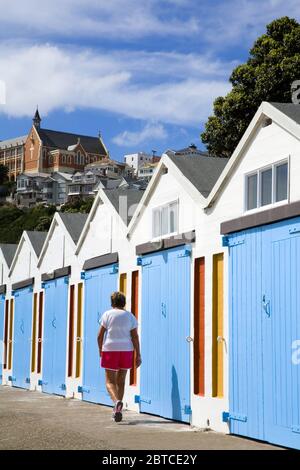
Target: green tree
x=78 y=204
x=272 y=66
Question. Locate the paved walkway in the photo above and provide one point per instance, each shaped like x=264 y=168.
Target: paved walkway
x=33 y=420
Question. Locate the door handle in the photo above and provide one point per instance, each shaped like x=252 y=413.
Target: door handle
x=98 y=318
x=22 y=326
x=163 y=309
x=266 y=306
x=54 y=322
x=189 y=339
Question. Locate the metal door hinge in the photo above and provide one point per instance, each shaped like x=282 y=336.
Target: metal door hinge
x=143 y=262
x=82 y=389
x=11 y=378
x=187 y=410
x=41 y=382
x=138 y=399
x=226 y=416
x=27 y=380
x=115 y=269
x=63 y=386
x=229 y=241
x=296 y=429
x=66 y=280
x=186 y=252
x=295 y=229
x=45 y=285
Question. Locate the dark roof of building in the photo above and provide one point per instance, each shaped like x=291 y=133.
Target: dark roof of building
x=289 y=109
x=63 y=140
x=201 y=171
x=8 y=251
x=190 y=150
x=74 y=223
x=37 y=240
x=136 y=183
x=133 y=198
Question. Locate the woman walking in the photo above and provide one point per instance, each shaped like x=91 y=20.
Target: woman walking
x=117 y=340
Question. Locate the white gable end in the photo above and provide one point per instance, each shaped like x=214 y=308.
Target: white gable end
x=167 y=190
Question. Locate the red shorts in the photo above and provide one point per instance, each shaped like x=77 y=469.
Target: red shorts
x=116 y=360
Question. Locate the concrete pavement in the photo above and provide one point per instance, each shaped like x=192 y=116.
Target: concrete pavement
x=33 y=420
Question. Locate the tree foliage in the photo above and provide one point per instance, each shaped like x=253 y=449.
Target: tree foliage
x=78 y=205
x=272 y=66
x=14 y=220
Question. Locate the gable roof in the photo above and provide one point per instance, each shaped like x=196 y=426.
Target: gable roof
x=63 y=140
x=286 y=115
x=37 y=240
x=74 y=223
x=8 y=251
x=289 y=109
x=133 y=198
x=201 y=171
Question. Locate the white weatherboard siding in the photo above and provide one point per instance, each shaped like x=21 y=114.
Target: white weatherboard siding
x=4 y=270
x=167 y=190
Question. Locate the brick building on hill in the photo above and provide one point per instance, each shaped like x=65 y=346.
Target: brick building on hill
x=47 y=151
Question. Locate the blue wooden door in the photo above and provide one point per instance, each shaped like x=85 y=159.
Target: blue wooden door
x=281 y=319
x=247 y=362
x=152 y=369
x=2 y=314
x=55 y=336
x=264 y=333
x=99 y=284
x=165 y=372
x=22 y=338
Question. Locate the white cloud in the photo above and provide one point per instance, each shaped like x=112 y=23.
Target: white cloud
x=161 y=87
x=242 y=21
x=2 y=92
x=151 y=131
x=96 y=18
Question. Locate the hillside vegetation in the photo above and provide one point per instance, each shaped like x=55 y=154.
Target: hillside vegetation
x=14 y=220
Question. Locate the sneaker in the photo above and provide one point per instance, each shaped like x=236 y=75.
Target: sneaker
x=118 y=411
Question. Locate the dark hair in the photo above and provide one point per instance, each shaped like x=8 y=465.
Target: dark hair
x=118 y=300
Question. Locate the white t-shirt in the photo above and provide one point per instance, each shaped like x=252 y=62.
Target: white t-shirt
x=118 y=325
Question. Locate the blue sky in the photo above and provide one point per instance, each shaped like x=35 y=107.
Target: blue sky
x=143 y=72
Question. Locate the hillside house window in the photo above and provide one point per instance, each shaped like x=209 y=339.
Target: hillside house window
x=165 y=220
x=267 y=186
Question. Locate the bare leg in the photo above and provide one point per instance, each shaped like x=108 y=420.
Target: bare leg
x=111 y=384
x=121 y=376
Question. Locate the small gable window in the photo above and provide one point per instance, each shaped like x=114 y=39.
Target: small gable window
x=267 y=186
x=165 y=219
